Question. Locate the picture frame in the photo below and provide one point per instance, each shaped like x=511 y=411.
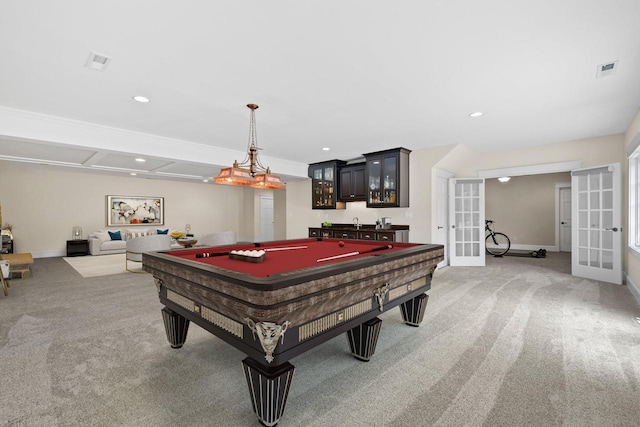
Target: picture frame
x=135 y=210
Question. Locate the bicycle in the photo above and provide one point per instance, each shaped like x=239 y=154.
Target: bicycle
x=496 y=244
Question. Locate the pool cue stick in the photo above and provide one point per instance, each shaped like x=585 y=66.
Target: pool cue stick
x=211 y=254
x=283 y=249
x=214 y=254
x=380 y=248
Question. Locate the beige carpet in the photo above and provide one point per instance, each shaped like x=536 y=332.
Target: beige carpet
x=102 y=265
x=519 y=342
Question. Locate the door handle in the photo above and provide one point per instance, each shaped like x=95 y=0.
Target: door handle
x=439 y=227
x=614 y=229
x=563 y=222
x=453 y=226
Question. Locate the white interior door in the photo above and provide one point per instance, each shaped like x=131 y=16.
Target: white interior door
x=440 y=216
x=597 y=227
x=565 y=219
x=266 y=219
x=466 y=221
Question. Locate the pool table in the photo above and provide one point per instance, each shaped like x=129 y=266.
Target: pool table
x=297 y=295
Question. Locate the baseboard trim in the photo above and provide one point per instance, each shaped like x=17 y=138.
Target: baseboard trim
x=534 y=248
x=633 y=288
x=48 y=254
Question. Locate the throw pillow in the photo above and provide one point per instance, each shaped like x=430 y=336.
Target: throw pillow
x=103 y=236
x=115 y=235
x=134 y=234
x=162 y=231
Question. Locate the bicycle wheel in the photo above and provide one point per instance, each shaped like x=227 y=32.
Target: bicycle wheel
x=497 y=244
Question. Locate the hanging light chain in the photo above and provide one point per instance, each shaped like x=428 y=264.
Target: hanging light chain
x=252 y=160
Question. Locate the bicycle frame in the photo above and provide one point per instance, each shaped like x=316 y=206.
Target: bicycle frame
x=500 y=241
x=487 y=227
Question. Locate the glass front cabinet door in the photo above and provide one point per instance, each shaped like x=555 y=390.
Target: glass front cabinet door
x=324 y=185
x=387 y=175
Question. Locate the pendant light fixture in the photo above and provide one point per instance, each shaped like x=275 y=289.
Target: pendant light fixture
x=250 y=172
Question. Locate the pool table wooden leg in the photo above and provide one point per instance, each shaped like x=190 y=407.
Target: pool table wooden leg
x=363 y=339
x=176 y=327
x=413 y=310
x=268 y=388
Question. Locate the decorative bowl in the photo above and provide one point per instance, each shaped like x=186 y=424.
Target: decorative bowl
x=187 y=243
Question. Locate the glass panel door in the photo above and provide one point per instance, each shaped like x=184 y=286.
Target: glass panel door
x=597 y=236
x=328 y=188
x=375 y=193
x=316 y=186
x=390 y=170
x=466 y=233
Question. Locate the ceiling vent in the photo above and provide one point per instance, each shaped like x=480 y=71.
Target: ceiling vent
x=97 y=61
x=607 y=69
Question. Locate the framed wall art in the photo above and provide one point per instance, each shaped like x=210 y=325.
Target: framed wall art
x=135 y=210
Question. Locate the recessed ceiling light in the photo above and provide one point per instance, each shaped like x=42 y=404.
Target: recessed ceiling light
x=504 y=178
x=476 y=114
x=141 y=98
x=205 y=180
x=133 y=174
x=326 y=148
x=140 y=159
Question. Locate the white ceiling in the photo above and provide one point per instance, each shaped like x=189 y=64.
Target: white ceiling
x=354 y=76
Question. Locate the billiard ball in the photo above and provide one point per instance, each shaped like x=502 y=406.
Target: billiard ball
x=341 y=243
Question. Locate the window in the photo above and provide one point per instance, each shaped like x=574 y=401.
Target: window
x=634 y=196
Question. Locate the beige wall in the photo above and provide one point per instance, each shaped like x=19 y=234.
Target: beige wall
x=300 y=216
x=525 y=207
x=280 y=215
x=592 y=152
x=633 y=263
x=461 y=160
x=45 y=203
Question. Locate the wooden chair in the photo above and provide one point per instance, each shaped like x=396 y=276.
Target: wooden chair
x=5 y=274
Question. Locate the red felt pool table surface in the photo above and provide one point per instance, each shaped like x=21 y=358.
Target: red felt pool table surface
x=306 y=253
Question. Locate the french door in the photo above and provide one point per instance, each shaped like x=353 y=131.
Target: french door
x=466 y=222
x=440 y=212
x=596 y=243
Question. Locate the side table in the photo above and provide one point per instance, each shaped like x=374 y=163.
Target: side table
x=79 y=247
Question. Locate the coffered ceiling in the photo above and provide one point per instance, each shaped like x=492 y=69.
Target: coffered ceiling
x=351 y=76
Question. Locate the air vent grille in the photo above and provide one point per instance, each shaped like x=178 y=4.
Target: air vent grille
x=97 y=61
x=607 y=69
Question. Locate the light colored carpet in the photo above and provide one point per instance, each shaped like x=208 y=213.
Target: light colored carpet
x=101 y=265
x=519 y=342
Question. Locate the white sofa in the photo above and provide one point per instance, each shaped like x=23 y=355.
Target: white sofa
x=219 y=239
x=101 y=243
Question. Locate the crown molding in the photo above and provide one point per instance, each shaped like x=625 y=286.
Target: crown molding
x=531 y=169
x=53 y=129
